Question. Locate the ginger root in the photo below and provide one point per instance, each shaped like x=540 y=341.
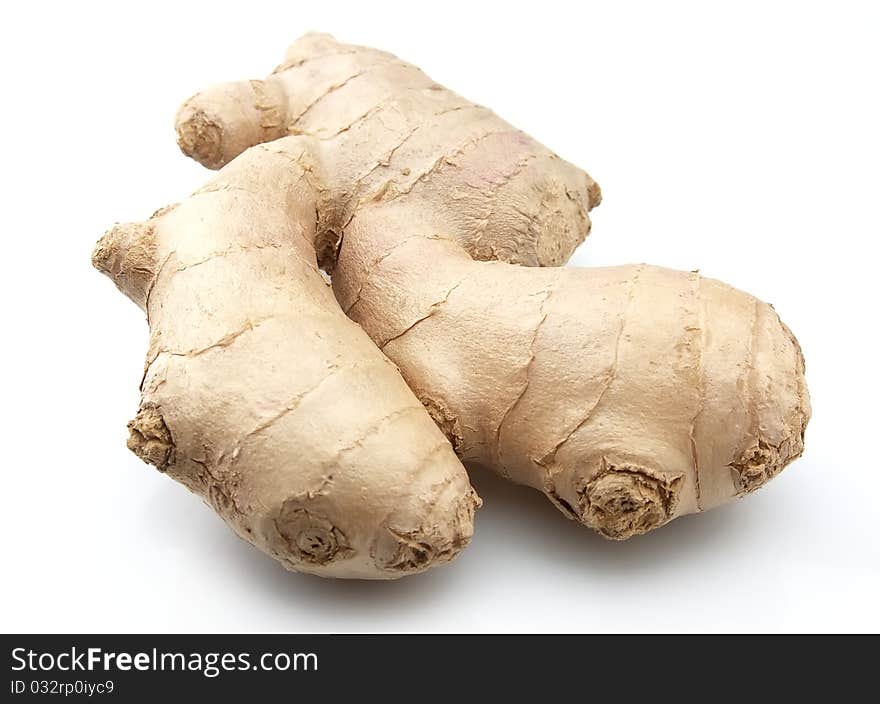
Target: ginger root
x=628 y=395
x=261 y=397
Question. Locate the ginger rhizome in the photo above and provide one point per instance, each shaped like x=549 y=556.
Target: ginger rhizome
x=629 y=395
x=262 y=397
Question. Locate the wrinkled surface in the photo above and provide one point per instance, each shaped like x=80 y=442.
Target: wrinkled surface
x=628 y=395
x=263 y=398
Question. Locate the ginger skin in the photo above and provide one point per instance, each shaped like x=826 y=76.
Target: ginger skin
x=261 y=397
x=629 y=395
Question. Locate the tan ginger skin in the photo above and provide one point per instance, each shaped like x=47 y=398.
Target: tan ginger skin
x=263 y=398
x=629 y=395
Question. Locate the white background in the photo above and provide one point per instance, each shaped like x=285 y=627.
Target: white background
x=742 y=139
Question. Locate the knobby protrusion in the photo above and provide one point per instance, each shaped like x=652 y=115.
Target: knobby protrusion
x=127 y=255
x=311 y=538
x=627 y=500
x=150 y=439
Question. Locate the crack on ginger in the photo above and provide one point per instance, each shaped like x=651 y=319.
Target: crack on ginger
x=224 y=341
x=432 y=309
x=385 y=161
x=296 y=63
x=228 y=252
x=291 y=126
x=385 y=62
x=327 y=245
x=548 y=293
x=295 y=402
x=220 y=497
x=560 y=503
x=389 y=101
x=374 y=427
x=363 y=117
x=164 y=210
x=155 y=280
x=701 y=383
x=549 y=458
x=389 y=191
x=371 y=268
x=491 y=196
